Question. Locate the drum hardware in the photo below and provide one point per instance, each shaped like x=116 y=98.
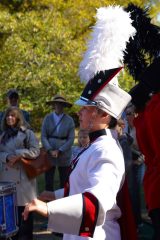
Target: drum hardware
x=8 y=210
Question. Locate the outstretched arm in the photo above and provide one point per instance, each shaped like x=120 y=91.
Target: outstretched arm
x=37 y=206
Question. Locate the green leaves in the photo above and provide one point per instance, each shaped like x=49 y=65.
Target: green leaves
x=41 y=45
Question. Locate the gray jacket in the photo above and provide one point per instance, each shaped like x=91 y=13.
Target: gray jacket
x=26 y=189
x=63 y=140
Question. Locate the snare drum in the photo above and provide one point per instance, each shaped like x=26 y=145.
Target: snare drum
x=8 y=210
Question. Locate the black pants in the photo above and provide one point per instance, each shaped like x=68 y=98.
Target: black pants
x=155 y=217
x=135 y=177
x=25 y=227
x=50 y=177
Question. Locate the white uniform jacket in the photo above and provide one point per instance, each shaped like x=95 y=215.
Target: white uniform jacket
x=90 y=211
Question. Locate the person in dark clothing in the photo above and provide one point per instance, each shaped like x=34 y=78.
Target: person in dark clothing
x=13 y=101
x=125 y=141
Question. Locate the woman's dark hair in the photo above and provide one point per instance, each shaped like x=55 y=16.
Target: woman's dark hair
x=19 y=116
x=112 y=123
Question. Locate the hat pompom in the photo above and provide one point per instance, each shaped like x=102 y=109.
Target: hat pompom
x=145 y=47
x=108 y=41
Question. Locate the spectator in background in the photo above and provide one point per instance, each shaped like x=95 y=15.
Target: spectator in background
x=125 y=141
x=13 y=101
x=57 y=138
x=137 y=168
x=18 y=140
x=83 y=142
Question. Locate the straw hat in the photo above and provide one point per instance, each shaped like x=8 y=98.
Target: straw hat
x=59 y=99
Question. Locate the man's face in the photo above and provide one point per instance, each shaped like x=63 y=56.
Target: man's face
x=130 y=115
x=58 y=107
x=13 y=102
x=88 y=117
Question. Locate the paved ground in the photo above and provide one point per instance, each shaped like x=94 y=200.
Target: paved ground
x=39 y=231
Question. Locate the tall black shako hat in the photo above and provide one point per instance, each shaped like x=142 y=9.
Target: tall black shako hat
x=149 y=82
x=145 y=46
x=103 y=60
x=142 y=56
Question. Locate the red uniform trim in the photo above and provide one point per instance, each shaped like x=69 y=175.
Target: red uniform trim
x=105 y=83
x=90 y=214
x=66 y=189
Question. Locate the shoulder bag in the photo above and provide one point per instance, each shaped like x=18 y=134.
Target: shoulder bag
x=37 y=166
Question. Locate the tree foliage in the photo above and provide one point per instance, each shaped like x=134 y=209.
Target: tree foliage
x=41 y=44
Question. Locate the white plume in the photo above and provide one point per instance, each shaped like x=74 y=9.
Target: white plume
x=108 y=41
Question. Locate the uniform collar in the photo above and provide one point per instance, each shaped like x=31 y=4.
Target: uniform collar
x=94 y=135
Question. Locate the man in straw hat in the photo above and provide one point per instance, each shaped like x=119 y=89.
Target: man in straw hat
x=86 y=208
x=57 y=138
